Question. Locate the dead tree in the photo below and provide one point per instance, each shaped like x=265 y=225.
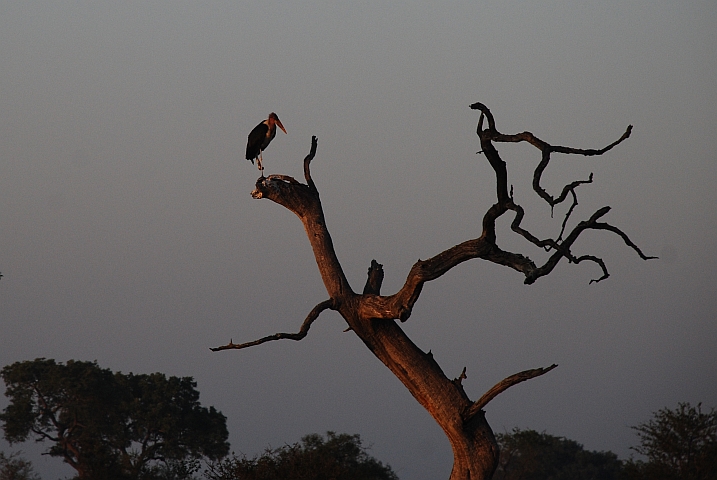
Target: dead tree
x=372 y=316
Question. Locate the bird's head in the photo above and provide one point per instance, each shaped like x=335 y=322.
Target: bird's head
x=273 y=118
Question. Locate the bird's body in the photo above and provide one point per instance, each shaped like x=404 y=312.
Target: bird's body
x=260 y=137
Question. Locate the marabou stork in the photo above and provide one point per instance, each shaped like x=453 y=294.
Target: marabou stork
x=260 y=137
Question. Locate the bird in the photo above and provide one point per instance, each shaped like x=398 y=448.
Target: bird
x=260 y=137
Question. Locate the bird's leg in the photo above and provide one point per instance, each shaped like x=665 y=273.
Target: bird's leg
x=260 y=163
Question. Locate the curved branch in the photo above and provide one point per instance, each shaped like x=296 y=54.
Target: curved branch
x=547 y=149
x=400 y=305
x=547 y=244
x=502 y=386
x=625 y=238
x=307 y=161
x=594 y=259
x=303 y=331
x=304 y=201
x=570 y=212
x=590 y=152
x=492 y=134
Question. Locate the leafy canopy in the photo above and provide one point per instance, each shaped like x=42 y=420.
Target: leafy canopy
x=527 y=454
x=110 y=425
x=678 y=444
x=336 y=457
x=13 y=467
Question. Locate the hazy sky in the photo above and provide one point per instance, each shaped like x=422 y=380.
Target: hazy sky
x=128 y=235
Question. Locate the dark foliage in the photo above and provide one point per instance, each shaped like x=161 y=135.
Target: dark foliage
x=679 y=444
x=530 y=455
x=110 y=425
x=13 y=467
x=336 y=457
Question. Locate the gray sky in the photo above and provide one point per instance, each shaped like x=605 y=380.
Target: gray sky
x=129 y=237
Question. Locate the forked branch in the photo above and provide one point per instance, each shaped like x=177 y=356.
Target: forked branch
x=492 y=134
x=561 y=245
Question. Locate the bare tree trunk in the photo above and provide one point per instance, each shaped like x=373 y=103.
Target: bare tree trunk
x=372 y=317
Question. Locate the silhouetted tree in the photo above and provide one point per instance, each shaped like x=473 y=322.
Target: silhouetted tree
x=110 y=425
x=527 y=454
x=13 y=467
x=336 y=457
x=371 y=316
x=679 y=444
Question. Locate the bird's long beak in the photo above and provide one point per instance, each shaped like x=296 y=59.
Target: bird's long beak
x=278 y=122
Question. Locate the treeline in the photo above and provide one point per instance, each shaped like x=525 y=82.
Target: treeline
x=151 y=427
x=679 y=444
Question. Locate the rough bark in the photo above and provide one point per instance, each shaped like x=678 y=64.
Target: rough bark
x=372 y=316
